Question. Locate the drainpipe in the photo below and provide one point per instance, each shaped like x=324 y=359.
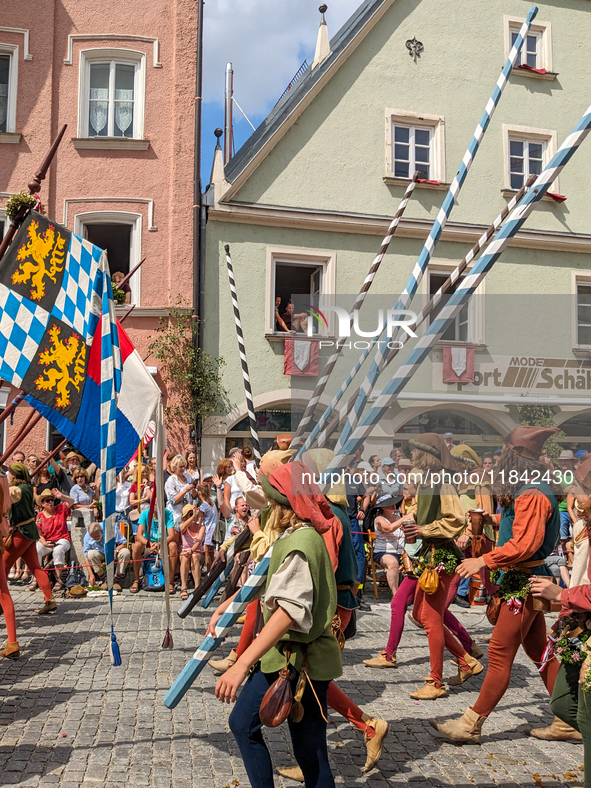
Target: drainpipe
x=197 y=314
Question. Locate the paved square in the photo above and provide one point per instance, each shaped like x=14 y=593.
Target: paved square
x=69 y=719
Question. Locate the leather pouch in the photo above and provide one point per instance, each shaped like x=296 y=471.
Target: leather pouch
x=493 y=609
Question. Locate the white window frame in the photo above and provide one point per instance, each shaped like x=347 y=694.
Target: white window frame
x=293 y=256
x=135 y=252
x=476 y=317
x=543 y=29
x=126 y=57
x=436 y=123
x=12 y=51
x=529 y=134
x=3 y=218
x=578 y=278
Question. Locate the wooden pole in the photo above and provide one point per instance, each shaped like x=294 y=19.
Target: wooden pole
x=128 y=276
x=50 y=457
x=33 y=186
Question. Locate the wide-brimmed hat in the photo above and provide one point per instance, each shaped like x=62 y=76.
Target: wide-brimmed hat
x=73 y=456
x=187 y=511
x=529 y=441
x=566 y=454
x=387 y=500
x=44 y=495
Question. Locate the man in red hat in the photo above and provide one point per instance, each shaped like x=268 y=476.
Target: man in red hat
x=529 y=531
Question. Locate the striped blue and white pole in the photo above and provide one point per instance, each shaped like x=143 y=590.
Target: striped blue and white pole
x=379 y=361
x=465 y=290
x=345 y=409
x=373 y=269
x=249 y=591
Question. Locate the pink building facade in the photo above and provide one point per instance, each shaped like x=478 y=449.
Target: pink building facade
x=122 y=76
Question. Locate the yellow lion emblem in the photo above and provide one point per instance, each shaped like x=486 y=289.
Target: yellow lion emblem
x=43 y=255
x=66 y=354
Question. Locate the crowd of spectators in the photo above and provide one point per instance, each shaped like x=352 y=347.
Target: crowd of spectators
x=204 y=510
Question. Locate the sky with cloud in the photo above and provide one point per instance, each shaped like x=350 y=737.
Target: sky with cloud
x=266 y=41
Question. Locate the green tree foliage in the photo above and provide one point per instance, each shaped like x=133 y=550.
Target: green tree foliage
x=542 y=416
x=193 y=377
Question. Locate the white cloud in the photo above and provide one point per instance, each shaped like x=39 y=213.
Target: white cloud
x=266 y=41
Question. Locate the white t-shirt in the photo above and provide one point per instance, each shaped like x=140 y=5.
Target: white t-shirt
x=389 y=543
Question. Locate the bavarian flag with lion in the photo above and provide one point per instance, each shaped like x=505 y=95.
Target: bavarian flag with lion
x=56 y=316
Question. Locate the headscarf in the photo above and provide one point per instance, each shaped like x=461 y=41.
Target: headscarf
x=432 y=443
x=20 y=472
x=290 y=485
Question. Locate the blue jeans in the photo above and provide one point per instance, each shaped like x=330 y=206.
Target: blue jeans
x=565 y=523
x=359 y=545
x=308 y=736
x=464 y=587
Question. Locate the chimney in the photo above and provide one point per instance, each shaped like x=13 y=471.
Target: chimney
x=322 y=42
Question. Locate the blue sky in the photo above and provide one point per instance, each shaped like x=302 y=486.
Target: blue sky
x=266 y=41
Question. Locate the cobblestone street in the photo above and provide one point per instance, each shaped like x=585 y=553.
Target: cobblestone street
x=69 y=719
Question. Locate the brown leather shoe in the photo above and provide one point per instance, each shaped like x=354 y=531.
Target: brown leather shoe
x=476 y=667
x=222 y=665
x=381 y=661
x=292 y=773
x=465 y=730
x=374 y=745
x=48 y=607
x=476 y=651
x=429 y=691
x=557 y=731
x=11 y=651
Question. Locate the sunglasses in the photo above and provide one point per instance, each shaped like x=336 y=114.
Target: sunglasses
x=49 y=500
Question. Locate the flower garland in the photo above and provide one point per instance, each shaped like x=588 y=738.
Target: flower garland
x=22 y=200
x=443 y=561
x=513 y=587
x=570 y=650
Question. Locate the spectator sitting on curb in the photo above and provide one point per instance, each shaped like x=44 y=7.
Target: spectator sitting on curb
x=94 y=556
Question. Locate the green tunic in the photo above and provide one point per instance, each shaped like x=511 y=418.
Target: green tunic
x=24 y=510
x=319 y=645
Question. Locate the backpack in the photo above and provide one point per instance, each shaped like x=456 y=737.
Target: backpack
x=153 y=579
x=76 y=577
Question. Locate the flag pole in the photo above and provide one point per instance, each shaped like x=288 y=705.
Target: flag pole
x=403 y=302
x=344 y=411
x=50 y=457
x=256 y=447
x=32 y=420
x=33 y=186
x=330 y=364
x=465 y=290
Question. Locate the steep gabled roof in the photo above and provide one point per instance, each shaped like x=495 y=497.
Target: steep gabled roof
x=288 y=109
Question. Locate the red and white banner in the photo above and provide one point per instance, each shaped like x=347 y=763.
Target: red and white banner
x=458 y=364
x=300 y=357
